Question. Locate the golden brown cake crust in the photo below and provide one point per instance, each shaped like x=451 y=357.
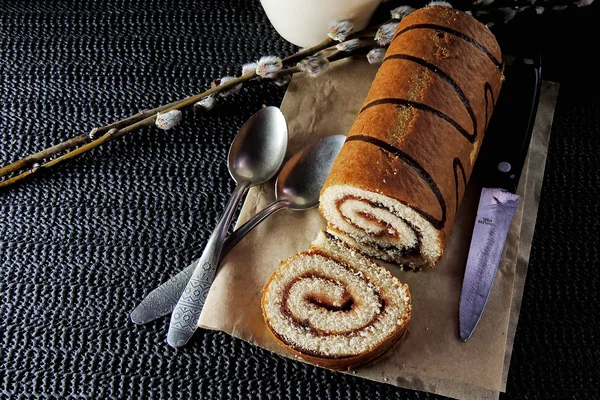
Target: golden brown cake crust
x=421 y=125
x=350 y=363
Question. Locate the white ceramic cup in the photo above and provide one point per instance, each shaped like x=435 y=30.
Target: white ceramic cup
x=305 y=22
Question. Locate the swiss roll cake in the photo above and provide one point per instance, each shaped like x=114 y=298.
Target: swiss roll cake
x=334 y=307
x=392 y=193
x=398 y=181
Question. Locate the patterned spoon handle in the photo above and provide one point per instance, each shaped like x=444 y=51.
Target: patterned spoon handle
x=185 y=316
x=161 y=301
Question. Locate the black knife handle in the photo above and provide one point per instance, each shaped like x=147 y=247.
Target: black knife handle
x=507 y=139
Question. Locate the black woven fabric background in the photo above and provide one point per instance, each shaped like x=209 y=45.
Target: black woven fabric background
x=80 y=246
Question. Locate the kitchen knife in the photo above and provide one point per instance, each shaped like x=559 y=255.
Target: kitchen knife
x=499 y=168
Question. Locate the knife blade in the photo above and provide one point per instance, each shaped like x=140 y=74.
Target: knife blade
x=500 y=164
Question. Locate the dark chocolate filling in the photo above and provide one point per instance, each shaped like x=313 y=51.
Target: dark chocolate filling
x=348 y=302
x=323 y=302
x=383 y=247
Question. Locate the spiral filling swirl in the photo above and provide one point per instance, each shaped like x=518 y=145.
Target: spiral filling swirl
x=380 y=226
x=334 y=305
x=388 y=230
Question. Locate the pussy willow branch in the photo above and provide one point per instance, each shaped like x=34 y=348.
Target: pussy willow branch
x=368 y=32
x=78 y=141
x=143 y=118
x=96 y=132
x=110 y=132
x=99 y=136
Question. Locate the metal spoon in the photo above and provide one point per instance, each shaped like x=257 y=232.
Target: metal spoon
x=255 y=156
x=299 y=183
x=297 y=187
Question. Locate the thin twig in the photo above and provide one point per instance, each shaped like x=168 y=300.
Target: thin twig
x=83 y=143
x=84 y=138
x=78 y=141
x=49 y=152
x=115 y=133
x=309 y=51
x=134 y=119
x=327 y=43
x=74 y=153
x=108 y=136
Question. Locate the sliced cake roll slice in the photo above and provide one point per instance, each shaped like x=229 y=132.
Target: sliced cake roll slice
x=334 y=307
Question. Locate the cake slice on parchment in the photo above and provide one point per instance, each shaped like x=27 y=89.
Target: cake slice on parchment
x=334 y=307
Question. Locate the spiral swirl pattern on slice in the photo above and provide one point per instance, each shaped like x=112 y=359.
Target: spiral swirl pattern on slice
x=333 y=303
x=380 y=226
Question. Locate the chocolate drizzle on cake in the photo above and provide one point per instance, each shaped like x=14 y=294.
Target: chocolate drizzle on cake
x=456 y=165
x=438 y=224
x=487 y=90
x=459 y=92
x=452 y=32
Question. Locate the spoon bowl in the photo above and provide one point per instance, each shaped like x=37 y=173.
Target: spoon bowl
x=298 y=185
x=256 y=153
x=300 y=181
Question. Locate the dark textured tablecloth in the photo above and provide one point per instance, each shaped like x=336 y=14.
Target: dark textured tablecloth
x=80 y=246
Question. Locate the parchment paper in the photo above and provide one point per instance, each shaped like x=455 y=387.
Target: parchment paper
x=432 y=358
